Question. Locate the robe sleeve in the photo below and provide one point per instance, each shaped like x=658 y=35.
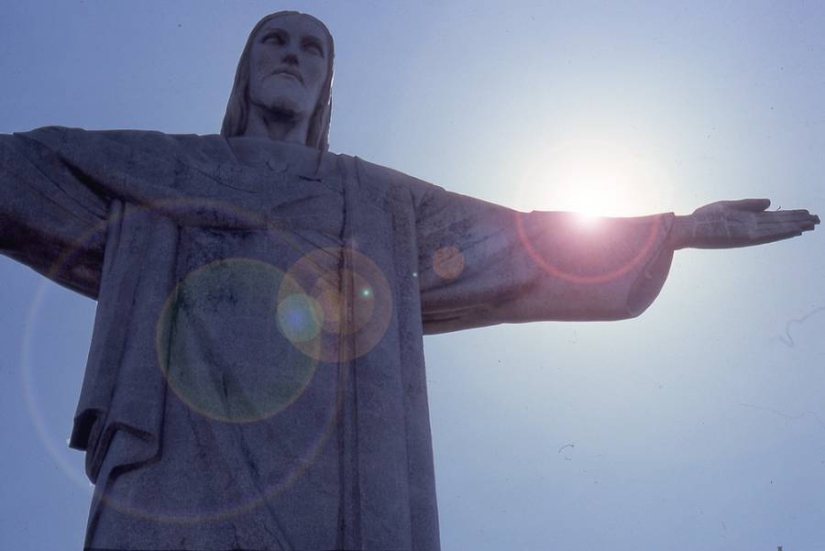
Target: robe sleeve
x=50 y=218
x=482 y=264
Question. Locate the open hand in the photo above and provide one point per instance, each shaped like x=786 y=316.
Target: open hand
x=728 y=224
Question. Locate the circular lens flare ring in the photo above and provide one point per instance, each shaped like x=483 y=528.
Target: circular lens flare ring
x=224 y=343
x=642 y=252
x=448 y=262
x=354 y=296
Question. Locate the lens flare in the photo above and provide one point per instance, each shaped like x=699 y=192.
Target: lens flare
x=31 y=377
x=589 y=179
x=607 y=265
x=239 y=341
x=351 y=300
x=300 y=317
x=225 y=340
x=448 y=263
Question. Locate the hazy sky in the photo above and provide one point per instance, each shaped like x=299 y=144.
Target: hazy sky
x=700 y=425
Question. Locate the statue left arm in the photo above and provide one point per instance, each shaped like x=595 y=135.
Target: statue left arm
x=729 y=224
x=483 y=264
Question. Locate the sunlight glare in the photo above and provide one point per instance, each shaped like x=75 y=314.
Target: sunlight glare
x=594 y=178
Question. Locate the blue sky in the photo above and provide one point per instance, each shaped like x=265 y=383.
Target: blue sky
x=699 y=425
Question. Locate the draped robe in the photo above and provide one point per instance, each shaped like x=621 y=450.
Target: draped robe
x=256 y=376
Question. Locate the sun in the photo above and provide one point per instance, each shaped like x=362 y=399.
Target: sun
x=594 y=178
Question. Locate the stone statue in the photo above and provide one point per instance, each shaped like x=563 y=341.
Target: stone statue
x=256 y=375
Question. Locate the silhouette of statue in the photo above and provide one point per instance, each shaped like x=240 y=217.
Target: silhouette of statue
x=256 y=374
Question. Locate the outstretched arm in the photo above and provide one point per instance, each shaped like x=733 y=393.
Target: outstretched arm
x=50 y=219
x=729 y=224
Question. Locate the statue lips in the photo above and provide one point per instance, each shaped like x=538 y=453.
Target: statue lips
x=288 y=71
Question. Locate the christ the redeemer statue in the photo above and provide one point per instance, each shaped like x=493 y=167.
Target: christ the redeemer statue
x=256 y=374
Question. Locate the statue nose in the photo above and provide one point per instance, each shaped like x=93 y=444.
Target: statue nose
x=290 y=58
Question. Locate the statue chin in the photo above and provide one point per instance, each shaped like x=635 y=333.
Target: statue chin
x=286 y=104
x=277 y=119
x=285 y=109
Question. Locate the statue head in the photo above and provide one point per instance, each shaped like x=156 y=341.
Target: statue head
x=238 y=108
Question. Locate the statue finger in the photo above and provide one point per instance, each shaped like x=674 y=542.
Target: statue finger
x=801 y=218
x=775 y=232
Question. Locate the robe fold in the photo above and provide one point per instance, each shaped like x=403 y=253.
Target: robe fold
x=256 y=374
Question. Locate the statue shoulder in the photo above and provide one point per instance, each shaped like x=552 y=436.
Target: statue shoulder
x=153 y=142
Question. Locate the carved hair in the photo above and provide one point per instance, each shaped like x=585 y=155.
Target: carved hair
x=237 y=109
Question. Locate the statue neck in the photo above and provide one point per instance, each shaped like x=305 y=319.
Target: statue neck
x=277 y=126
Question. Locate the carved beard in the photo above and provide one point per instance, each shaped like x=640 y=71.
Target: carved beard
x=284 y=106
x=283 y=109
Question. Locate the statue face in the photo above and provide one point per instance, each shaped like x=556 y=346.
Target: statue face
x=288 y=65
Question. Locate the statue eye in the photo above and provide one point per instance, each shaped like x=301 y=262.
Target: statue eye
x=313 y=47
x=275 y=37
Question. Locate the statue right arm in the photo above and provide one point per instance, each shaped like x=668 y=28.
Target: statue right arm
x=50 y=218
